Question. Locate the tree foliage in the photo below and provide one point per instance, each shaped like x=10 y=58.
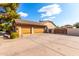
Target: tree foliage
x=76 y=25
x=10 y=10
x=7 y=17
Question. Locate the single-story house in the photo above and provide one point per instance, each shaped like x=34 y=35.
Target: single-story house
x=30 y=27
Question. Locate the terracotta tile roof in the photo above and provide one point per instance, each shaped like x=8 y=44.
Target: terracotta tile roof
x=25 y=22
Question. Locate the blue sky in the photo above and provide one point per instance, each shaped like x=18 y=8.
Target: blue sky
x=60 y=14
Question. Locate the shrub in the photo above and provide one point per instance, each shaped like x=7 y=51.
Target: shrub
x=14 y=35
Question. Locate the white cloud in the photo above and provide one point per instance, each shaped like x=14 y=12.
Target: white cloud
x=23 y=14
x=52 y=17
x=50 y=10
x=48 y=18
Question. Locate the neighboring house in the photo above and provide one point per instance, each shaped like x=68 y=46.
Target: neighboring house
x=67 y=26
x=30 y=27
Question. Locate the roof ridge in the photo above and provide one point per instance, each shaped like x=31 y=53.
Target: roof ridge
x=29 y=22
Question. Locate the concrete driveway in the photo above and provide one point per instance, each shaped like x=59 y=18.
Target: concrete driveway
x=41 y=45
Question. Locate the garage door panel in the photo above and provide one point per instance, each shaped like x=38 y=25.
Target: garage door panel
x=26 y=30
x=38 y=30
x=31 y=29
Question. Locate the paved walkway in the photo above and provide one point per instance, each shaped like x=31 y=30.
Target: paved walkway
x=40 y=45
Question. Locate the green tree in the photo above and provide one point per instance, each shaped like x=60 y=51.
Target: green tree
x=76 y=25
x=7 y=17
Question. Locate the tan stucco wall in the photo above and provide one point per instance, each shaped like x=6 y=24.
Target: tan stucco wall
x=73 y=31
x=50 y=25
x=19 y=30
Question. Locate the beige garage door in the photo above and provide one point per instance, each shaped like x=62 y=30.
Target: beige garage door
x=26 y=30
x=38 y=30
